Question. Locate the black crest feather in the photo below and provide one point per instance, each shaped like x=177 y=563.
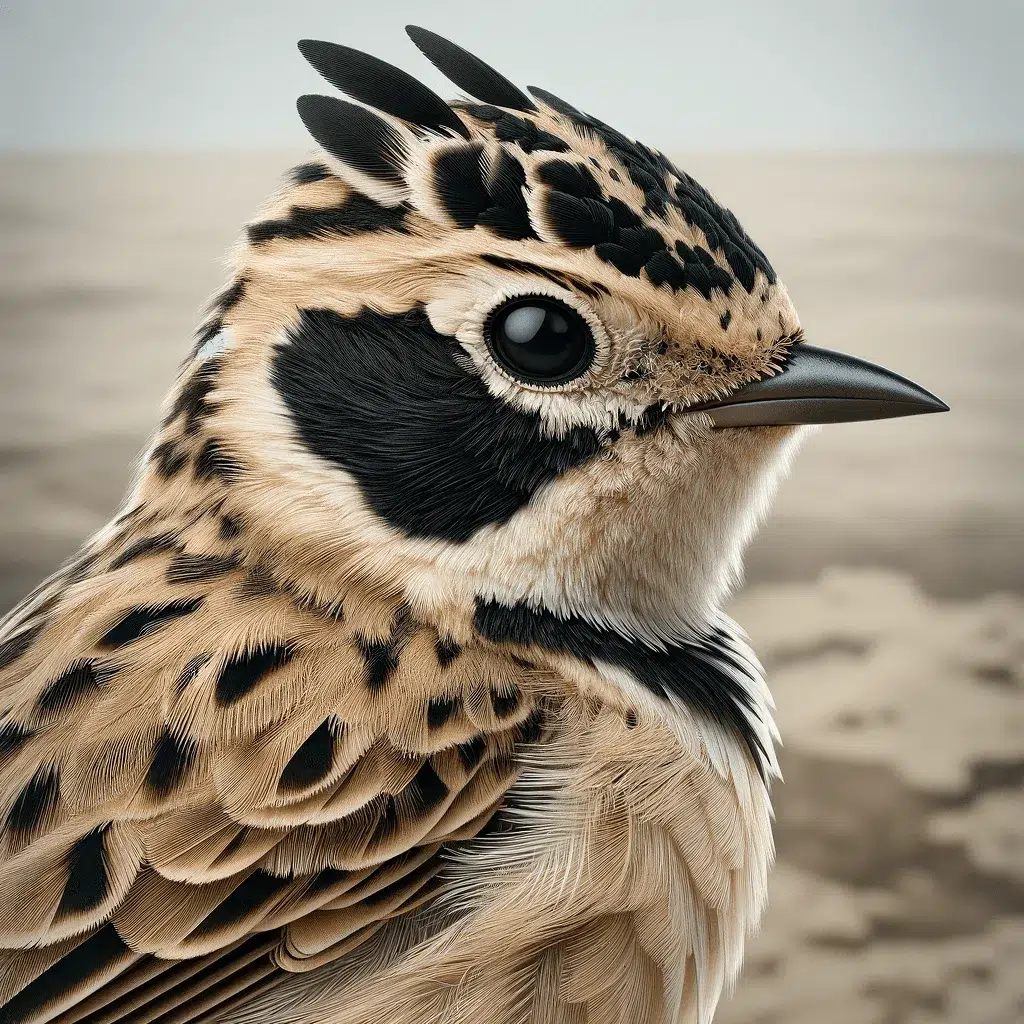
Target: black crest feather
x=355 y=135
x=381 y=85
x=579 y=223
x=555 y=103
x=469 y=72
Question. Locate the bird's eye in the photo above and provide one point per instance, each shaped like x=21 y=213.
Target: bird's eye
x=539 y=340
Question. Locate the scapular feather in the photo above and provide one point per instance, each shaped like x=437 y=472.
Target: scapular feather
x=381 y=85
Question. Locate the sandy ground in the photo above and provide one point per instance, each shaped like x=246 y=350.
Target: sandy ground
x=881 y=593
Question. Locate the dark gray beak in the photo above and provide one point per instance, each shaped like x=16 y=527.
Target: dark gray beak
x=817 y=385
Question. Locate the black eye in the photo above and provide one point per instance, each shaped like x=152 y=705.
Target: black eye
x=540 y=340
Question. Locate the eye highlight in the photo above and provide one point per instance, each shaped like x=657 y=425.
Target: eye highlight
x=539 y=340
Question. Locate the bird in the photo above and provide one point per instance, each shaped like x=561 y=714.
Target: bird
x=399 y=688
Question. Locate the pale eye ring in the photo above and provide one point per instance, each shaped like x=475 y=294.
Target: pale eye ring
x=540 y=340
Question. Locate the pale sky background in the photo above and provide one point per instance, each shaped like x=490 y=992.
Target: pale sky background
x=714 y=74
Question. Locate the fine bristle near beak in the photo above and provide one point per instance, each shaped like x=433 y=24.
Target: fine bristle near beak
x=817 y=385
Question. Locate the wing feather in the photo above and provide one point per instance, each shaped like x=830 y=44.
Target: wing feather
x=223 y=791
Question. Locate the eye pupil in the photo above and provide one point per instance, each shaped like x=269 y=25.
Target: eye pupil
x=540 y=340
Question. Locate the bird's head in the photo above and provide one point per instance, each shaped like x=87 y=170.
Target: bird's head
x=498 y=350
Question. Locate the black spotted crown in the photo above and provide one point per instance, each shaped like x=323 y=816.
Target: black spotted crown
x=635 y=241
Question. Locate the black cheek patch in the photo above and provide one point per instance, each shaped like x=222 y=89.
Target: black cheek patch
x=433 y=452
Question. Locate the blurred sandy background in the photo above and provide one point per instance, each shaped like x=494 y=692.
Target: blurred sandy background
x=885 y=594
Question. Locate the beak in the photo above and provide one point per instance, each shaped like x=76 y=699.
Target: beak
x=817 y=385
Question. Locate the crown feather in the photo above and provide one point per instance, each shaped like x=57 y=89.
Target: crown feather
x=469 y=72
x=556 y=104
x=355 y=135
x=381 y=85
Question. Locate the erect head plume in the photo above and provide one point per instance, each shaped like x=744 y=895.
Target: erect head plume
x=569 y=188
x=662 y=227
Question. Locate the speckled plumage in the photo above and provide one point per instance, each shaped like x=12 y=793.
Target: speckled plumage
x=345 y=716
